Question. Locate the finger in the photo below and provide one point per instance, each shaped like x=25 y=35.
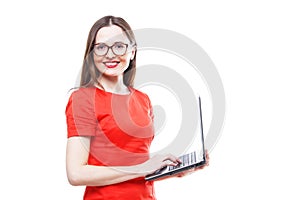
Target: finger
x=172 y=158
x=169 y=163
x=166 y=163
x=185 y=173
x=206 y=154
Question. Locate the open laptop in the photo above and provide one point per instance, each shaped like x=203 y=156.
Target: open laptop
x=190 y=160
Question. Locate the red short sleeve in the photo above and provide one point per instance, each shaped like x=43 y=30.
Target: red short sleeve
x=150 y=108
x=80 y=113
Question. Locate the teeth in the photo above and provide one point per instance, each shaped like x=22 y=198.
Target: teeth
x=111 y=63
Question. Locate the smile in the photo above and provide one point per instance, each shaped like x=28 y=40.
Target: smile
x=111 y=64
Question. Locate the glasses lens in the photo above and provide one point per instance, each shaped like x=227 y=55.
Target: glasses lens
x=119 y=48
x=101 y=49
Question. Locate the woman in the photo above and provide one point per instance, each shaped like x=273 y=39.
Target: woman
x=110 y=124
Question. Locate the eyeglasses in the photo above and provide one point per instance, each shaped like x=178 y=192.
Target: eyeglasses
x=118 y=48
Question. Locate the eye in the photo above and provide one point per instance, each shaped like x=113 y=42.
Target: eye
x=100 y=46
x=119 y=45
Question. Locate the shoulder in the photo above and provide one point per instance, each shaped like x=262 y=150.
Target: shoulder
x=82 y=96
x=83 y=92
x=81 y=100
x=140 y=94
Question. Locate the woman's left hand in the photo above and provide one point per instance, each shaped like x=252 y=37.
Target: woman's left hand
x=190 y=171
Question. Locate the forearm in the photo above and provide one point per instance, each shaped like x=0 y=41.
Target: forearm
x=101 y=175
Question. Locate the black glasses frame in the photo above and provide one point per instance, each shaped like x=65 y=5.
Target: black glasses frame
x=110 y=47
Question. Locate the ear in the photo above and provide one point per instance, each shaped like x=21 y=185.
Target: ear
x=133 y=53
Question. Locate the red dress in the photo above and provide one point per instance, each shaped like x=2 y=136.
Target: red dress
x=121 y=130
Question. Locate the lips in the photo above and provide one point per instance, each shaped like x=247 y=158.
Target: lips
x=111 y=64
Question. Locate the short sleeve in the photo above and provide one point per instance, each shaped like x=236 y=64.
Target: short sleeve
x=80 y=113
x=151 y=114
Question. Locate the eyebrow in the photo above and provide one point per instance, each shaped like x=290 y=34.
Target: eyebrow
x=112 y=43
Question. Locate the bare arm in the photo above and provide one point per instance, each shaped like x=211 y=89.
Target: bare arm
x=80 y=173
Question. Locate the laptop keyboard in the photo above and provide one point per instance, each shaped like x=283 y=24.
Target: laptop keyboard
x=186 y=159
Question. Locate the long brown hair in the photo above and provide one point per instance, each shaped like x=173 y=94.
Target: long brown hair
x=90 y=73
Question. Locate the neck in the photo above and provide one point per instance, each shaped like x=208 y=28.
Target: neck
x=113 y=84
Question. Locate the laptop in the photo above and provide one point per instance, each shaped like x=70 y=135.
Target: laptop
x=188 y=161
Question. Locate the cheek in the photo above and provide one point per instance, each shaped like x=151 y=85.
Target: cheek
x=98 y=60
x=124 y=60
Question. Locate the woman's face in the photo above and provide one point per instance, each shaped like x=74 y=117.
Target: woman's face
x=111 y=64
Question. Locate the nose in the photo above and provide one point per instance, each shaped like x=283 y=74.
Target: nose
x=110 y=54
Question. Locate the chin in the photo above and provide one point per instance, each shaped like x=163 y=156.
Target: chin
x=112 y=73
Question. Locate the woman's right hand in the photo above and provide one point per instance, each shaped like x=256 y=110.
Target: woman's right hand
x=158 y=162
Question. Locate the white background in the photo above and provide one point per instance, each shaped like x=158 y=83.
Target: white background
x=255 y=46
